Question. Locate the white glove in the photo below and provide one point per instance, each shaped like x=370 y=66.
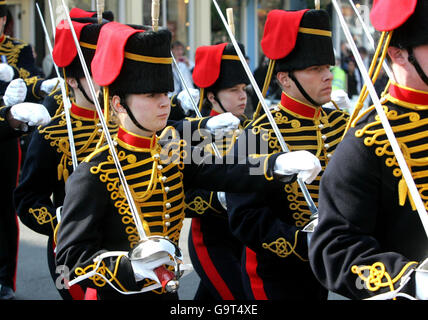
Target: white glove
x=186 y=101
x=48 y=85
x=144 y=269
x=15 y=93
x=33 y=114
x=223 y=123
x=341 y=98
x=421 y=281
x=304 y=163
x=6 y=72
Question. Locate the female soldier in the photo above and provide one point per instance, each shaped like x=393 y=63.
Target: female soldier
x=217 y=260
x=96 y=220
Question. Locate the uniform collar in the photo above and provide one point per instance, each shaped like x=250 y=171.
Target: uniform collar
x=136 y=141
x=214 y=113
x=84 y=113
x=298 y=107
x=408 y=95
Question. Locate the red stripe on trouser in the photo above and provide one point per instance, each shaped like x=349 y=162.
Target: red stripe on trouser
x=255 y=281
x=16 y=215
x=206 y=262
x=91 y=294
x=75 y=291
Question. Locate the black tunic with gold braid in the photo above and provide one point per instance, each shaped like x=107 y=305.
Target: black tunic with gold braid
x=215 y=253
x=270 y=223
x=369 y=234
x=97 y=218
x=48 y=165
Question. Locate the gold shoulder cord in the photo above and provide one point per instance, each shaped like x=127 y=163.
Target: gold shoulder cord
x=384 y=41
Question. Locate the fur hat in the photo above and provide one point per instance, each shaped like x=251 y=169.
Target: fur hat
x=132 y=60
x=298 y=39
x=65 y=51
x=3 y=8
x=218 y=67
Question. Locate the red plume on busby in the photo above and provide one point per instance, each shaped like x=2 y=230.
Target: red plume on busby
x=408 y=20
x=65 y=52
x=80 y=13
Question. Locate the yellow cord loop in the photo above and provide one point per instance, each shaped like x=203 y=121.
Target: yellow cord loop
x=266 y=84
x=374 y=71
x=201 y=100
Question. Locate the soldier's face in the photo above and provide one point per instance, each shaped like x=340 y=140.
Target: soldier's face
x=317 y=82
x=234 y=99
x=151 y=110
x=3 y=21
x=405 y=72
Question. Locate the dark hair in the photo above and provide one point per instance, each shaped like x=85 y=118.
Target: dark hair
x=177 y=44
x=4 y=11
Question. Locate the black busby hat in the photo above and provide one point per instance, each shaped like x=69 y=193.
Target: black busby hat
x=133 y=61
x=414 y=32
x=307 y=41
x=3 y=8
x=65 y=52
x=231 y=70
x=218 y=67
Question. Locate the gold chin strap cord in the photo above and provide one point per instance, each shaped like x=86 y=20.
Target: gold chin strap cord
x=201 y=100
x=266 y=84
x=106 y=93
x=374 y=70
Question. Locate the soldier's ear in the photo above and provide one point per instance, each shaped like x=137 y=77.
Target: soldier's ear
x=283 y=79
x=116 y=105
x=210 y=97
x=72 y=82
x=398 y=56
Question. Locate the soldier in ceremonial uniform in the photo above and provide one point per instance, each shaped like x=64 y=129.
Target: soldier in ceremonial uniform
x=48 y=163
x=14 y=122
x=96 y=217
x=370 y=238
x=275 y=262
x=217 y=259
